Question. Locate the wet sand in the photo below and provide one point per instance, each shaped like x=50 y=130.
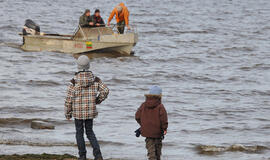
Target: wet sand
x=37 y=157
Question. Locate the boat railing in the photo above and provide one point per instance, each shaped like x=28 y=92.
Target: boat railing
x=82 y=32
x=96 y=32
x=133 y=28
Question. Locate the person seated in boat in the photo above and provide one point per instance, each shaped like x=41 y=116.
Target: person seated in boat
x=97 y=19
x=121 y=14
x=85 y=19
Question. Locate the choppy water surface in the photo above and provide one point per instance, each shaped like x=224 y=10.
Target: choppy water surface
x=210 y=57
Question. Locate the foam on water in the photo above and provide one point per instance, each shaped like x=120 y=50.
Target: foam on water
x=211 y=150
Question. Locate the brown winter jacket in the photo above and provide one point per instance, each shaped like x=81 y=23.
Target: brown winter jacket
x=152 y=117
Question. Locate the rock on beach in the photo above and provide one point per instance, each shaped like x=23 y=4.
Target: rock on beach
x=41 y=125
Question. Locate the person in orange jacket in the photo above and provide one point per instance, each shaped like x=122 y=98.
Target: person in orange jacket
x=121 y=14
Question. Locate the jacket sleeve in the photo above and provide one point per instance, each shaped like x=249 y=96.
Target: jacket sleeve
x=102 y=21
x=103 y=91
x=82 y=21
x=90 y=19
x=138 y=115
x=126 y=16
x=68 y=102
x=111 y=16
x=163 y=118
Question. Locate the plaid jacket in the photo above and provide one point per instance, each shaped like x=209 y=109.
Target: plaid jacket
x=84 y=92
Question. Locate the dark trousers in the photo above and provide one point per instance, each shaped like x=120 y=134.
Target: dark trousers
x=88 y=125
x=121 y=27
x=153 y=146
x=85 y=26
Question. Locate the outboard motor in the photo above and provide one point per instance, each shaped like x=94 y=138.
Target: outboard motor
x=31 y=28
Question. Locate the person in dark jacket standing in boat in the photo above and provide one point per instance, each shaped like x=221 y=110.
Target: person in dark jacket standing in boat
x=152 y=117
x=84 y=92
x=85 y=19
x=97 y=19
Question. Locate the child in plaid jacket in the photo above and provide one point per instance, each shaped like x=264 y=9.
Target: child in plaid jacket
x=84 y=93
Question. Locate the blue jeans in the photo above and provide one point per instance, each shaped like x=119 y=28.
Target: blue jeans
x=88 y=125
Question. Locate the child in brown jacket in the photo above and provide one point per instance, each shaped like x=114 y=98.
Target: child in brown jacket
x=152 y=117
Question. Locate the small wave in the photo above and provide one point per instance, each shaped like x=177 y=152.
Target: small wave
x=256 y=66
x=263 y=119
x=29 y=56
x=205 y=79
x=8 y=27
x=211 y=149
x=233 y=112
x=61 y=73
x=11 y=130
x=266 y=28
x=13 y=45
x=245 y=49
x=22 y=121
x=26 y=109
x=203 y=131
x=254 y=92
x=111 y=143
x=44 y=144
x=51 y=144
x=117 y=80
x=186 y=41
x=262 y=93
x=192 y=32
x=43 y=83
x=266 y=127
x=154 y=33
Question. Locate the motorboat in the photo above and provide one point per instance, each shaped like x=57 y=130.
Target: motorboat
x=84 y=40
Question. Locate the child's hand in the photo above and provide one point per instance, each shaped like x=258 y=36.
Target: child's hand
x=98 y=101
x=165 y=132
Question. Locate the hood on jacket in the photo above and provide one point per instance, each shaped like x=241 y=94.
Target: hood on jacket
x=84 y=79
x=122 y=4
x=152 y=101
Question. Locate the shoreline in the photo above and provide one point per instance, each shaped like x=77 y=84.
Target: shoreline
x=43 y=156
